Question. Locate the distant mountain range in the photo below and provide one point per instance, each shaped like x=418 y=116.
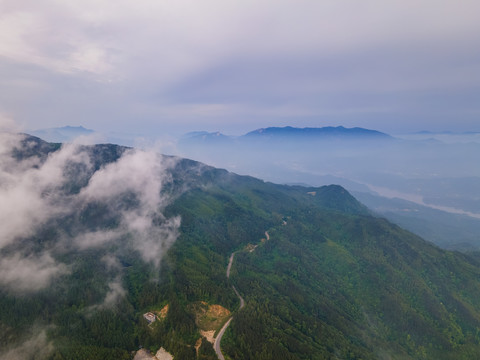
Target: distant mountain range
x=288 y=133
x=328 y=131
x=61 y=134
x=434 y=173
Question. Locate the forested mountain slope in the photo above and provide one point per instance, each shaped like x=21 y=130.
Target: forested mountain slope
x=331 y=281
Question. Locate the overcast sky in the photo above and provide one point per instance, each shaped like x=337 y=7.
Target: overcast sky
x=156 y=66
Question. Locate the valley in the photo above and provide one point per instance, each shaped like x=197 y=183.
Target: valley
x=434 y=174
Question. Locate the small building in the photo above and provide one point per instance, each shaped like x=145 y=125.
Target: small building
x=150 y=317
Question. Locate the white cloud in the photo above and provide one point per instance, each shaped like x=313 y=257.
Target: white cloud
x=152 y=65
x=151 y=240
x=142 y=173
x=7 y=125
x=115 y=292
x=139 y=171
x=170 y=39
x=92 y=239
x=32 y=193
x=35 y=347
x=111 y=261
x=29 y=274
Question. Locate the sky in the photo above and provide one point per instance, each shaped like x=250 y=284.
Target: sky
x=157 y=66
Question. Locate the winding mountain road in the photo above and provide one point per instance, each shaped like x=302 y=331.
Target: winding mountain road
x=242 y=302
x=216 y=344
x=218 y=339
x=230 y=262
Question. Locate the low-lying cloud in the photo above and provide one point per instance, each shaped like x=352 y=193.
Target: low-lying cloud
x=31 y=189
x=35 y=347
x=141 y=174
x=115 y=292
x=29 y=273
x=35 y=190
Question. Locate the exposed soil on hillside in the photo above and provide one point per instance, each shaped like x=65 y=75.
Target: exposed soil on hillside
x=210 y=317
x=161 y=354
x=162 y=314
x=209 y=335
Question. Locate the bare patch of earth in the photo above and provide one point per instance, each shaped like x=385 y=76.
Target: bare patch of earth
x=161 y=354
x=210 y=317
x=209 y=335
x=250 y=247
x=143 y=354
x=162 y=314
x=198 y=344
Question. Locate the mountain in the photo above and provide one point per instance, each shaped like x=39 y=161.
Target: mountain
x=204 y=137
x=447 y=230
x=62 y=134
x=329 y=132
x=94 y=237
x=442 y=175
x=284 y=134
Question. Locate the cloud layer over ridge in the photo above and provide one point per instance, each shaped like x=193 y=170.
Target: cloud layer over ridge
x=35 y=191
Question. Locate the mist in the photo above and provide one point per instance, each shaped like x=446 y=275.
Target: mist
x=36 y=346
x=436 y=172
x=67 y=192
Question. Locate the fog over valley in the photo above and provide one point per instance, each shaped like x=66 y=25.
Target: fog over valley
x=437 y=174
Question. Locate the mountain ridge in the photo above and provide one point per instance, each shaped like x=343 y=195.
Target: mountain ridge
x=328 y=131
x=61 y=134
x=289 y=132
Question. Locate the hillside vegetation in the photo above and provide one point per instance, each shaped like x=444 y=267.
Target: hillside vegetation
x=331 y=282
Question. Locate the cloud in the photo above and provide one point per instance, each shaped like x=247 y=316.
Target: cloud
x=153 y=62
x=36 y=347
x=184 y=36
x=35 y=190
x=31 y=189
x=111 y=261
x=7 y=125
x=141 y=172
x=92 y=239
x=152 y=241
x=143 y=175
x=29 y=274
x=115 y=293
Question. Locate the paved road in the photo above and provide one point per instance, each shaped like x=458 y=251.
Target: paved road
x=230 y=265
x=242 y=302
x=218 y=339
